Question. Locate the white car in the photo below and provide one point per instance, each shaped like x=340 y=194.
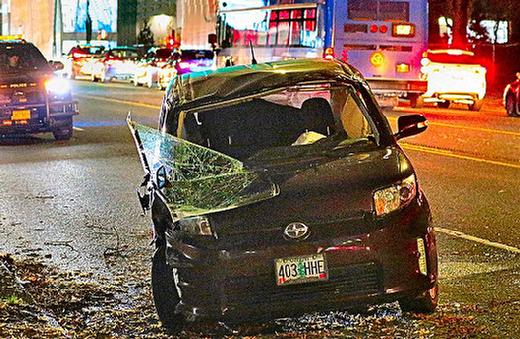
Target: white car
x=454 y=76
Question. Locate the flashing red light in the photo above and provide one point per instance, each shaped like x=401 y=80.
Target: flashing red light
x=373 y=28
x=383 y=29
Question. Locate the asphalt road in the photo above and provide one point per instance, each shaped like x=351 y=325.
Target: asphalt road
x=70 y=203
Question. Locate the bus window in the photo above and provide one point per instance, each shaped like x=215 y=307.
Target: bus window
x=394 y=10
x=362 y=9
x=274 y=28
x=371 y=10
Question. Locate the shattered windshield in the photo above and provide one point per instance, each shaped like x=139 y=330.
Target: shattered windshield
x=319 y=117
x=196 y=180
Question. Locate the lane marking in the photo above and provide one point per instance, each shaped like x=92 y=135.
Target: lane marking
x=478 y=129
x=459 y=234
x=78 y=129
x=126 y=102
x=457 y=156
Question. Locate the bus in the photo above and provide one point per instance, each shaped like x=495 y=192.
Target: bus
x=383 y=39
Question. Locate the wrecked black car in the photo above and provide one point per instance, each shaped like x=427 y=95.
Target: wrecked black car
x=277 y=189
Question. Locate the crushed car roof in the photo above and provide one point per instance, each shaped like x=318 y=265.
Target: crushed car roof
x=210 y=87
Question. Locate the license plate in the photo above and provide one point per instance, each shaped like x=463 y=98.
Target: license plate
x=302 y=269
x=24 y=114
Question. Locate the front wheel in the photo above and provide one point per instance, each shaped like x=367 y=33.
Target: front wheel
x=424 y=303
x=512 y=106
x=444 y=104
x=476 y=105
x=165 y=295
x=416 y=101
x=64 y=130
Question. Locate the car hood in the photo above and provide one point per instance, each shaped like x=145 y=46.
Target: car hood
x=322 y=190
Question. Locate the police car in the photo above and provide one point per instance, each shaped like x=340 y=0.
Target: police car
x=32 y=98
x=454 y=76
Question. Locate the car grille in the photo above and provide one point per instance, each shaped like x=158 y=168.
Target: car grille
x=26 y=96
x=352 y=280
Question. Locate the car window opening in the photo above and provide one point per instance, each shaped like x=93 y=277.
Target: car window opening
x=289 y=118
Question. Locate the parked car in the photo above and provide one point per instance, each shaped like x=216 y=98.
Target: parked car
x=32 y=98
x=116 y=63
x=146 y=71
x=79 y=60
x=511 y=97
x=279 y=188
x=454 y=76
x=186 y=61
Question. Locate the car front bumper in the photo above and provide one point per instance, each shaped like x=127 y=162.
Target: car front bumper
x=43 y=117
x=240 y=285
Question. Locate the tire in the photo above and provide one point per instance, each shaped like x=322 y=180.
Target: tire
x=476 y=105
x=165 y=295
x=149 y=82
x=425 y=303
x=512 y=106
x=416 y=101
x=443 y=104
x=64 y=131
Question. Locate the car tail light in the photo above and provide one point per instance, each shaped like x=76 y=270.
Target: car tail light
x=403 y=30
x=383 y=29
x=402 y=68
x=373 y=28
x=328 y=53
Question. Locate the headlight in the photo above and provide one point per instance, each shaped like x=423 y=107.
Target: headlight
x=396 y=196
x=57 y=86
x=196 y=226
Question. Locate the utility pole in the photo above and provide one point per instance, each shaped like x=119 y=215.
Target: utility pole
x=57 y=30
x=88 y=24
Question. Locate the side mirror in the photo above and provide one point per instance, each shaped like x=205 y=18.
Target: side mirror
x=56 y=65
x=409 y=125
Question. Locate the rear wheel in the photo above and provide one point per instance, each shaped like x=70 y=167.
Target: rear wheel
x=443 y=104
x=165 y=294
x=512 y=106
x=476 y=105
x=64 y=130
x=423 y=303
